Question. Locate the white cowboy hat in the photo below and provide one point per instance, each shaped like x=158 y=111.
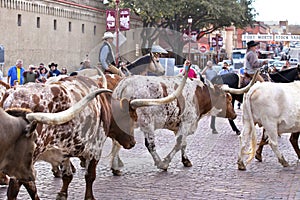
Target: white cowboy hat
x=158 y=49
x=108 y=35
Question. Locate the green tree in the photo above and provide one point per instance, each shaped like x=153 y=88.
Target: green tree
x=158 y=16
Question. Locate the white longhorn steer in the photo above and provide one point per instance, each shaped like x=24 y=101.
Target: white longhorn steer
x=276 y=108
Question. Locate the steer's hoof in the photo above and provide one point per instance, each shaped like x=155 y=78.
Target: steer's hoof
x=61 y=196
x=163 y=165
x=284 y=162
x=238 y=132
x=187 y=163
x=57 y=174
x=116 y=172
x=258 y=157
x=241 y=165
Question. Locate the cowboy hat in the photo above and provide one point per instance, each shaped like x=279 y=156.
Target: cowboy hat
x=108 y=35
x=52 y=64
x=252 y=44
x=158 y=49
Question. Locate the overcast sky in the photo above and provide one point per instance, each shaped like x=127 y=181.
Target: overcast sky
x=278 y=10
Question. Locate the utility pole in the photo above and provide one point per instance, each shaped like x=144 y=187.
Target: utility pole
x=117 y=32
x=190 y=21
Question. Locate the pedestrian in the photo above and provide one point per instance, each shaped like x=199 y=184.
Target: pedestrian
x=208 y=71
x=64 y=71
x=252 y=64
x=43 y=72
x=224 y=69
x=53 y=70
x=41 y=65
x=30 y=75
x=191 y=73
x=86 y=64
x=15 y=74
x=106 y=55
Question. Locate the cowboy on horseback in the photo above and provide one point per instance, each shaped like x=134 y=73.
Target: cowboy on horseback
x=106 y=55
x=251 y=61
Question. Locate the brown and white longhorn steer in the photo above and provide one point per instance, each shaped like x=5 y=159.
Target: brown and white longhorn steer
x=180 y=116
x=85 y=134
x=17 y=141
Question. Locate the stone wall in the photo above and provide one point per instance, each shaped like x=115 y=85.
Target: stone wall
x=63 y=32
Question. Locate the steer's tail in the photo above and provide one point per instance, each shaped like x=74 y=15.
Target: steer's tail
x=252 y=134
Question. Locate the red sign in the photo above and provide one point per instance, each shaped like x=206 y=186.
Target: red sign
x=202 y=49
x=110 y=20
x=220 y=41
x=124 y=19
x=215 y=42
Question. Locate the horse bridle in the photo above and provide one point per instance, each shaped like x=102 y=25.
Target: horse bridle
x=154 y=61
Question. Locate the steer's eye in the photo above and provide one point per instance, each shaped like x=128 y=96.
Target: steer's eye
x=157 y=61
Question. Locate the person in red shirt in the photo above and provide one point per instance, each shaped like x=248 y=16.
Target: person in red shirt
x=191 y=74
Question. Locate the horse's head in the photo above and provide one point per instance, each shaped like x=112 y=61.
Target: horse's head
x=143 y=65
x=155 y=66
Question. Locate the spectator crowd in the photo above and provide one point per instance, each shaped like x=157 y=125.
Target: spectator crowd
x=19 y=75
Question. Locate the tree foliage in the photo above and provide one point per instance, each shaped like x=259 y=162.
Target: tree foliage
x=208 y=16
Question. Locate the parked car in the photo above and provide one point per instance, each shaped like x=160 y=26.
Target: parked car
x=294 y=61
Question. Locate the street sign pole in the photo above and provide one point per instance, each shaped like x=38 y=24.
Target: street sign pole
x=117 y=32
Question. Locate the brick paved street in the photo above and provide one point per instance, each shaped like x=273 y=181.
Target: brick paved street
x=214 y=174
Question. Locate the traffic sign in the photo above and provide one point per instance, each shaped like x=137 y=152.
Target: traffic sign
x=202 y=49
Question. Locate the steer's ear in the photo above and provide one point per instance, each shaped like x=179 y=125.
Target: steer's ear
x=30 y=128
x=125 y=107
x=124 y=104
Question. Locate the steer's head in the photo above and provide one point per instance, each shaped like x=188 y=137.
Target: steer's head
x=122 y=124
x=20 y=152
x=221 y=103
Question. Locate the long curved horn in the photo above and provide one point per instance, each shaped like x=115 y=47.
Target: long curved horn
x=153 y=102
x=104 y=81
x=243 y=90
x=66 y=115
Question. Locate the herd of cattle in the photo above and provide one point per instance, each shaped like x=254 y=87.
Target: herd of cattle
x=73 y=116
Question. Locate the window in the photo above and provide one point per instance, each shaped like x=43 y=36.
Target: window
x=38 y=22
x=54 y=24
x=19 y=19
x=94 y=30
x=70 y=26
x=82 y=28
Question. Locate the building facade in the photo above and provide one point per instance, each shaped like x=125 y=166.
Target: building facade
x=64 y=32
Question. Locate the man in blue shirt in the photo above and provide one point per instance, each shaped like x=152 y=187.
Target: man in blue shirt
x=53 y=70
x=225 y=69
x=15 y=74
x=106 y=55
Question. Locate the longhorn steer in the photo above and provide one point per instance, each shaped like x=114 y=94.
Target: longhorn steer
x=17 y=142
x=180 y=116
x=85 y=134
x=232 y=80
x=17 y=145
x=284 y=76
x=274 y=107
